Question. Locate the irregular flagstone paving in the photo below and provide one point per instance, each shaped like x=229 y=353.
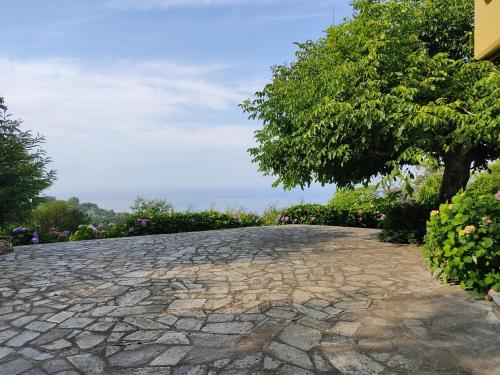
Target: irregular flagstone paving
x=277 y=300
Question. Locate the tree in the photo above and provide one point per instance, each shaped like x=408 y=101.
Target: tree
x=59 y=214
x=154 y=206
x=393 y=87
x=23 y=173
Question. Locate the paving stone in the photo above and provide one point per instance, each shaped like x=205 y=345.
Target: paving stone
x=345 y=328
x=22 y=338
x=76 y=322
x=290 y=354
x=14 y=367
x=133 y=297
x=7 y=334
x=353 y=363
x=57 y=345
x=271 y=363
x=88 y=363
x=135 y=357
x=304 y=338
x=228 y=328
x=143 y=336
x=56 y=365
x=4 y=352
x=189 y=324
x=60 y=317
x=86 y=340
x=35 y=354
x=280 y=300
x=19 y=322
x=173 y=338
x=292 y=370
x=40 y=326
x=171 y=357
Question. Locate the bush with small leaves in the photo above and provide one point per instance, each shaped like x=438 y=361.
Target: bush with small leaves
x=462 y=243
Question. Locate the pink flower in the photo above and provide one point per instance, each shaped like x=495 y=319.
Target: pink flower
x=491 y=293
x=35 y=240
x=382 y=217
x=497 y=195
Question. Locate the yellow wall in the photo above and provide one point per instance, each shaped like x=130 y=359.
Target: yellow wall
x=487 y=29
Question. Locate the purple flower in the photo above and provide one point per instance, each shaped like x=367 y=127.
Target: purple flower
x=52 y=229
x=279 y=218
x=131 y=230
x=35 y=234
x=35 y=240
x=19 y=230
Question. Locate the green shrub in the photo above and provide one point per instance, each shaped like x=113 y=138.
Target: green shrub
x=85 y=232
x=270 y=214
x=486 y=182
x=310 y=213
x=147 y=207
x=175 y=222
x=359 y=207
x=21 y=234
x=462 y=243
x=403 y=221
x=59 y=214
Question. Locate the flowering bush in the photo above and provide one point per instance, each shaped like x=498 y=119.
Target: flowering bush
x=175 y=222
x=85 y=232
x=462 y=243
x=403 y=221
x=305 y=214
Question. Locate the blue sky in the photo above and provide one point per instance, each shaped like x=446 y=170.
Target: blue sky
x=139 y=97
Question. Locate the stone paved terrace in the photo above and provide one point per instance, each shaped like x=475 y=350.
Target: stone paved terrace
x=268 y=300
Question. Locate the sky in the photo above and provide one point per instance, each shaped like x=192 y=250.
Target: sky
x=140 y=97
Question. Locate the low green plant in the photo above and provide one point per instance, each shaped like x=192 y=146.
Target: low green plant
x=59 y=214
x=304 y=213
x=487 y=182
x=85 y=232
x=403 y=220
x=175 y=222
x=462 y=243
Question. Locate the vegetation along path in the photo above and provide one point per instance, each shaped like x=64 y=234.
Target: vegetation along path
x=285 y=300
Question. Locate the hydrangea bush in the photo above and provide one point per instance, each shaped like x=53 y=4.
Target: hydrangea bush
x=462 y=243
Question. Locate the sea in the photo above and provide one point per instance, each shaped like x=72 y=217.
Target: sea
x=254 y=200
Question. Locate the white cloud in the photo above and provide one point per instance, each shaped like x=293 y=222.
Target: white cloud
x=134 y=125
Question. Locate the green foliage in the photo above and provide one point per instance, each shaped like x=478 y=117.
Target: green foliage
x=486 y=182
x=394 y=86
x=147 y=207
x=305 y=213
x=270 y=214
x=427 y=189
x=175 y=222
x=462 y=243
x=359 y=207
x=85 y=232
x=97 y=214
x=59 y=214
x=403 y=221
x=23 y=174
x=356 y=207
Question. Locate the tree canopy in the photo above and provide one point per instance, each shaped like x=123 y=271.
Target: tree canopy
x=23 y=173
x=393 y=86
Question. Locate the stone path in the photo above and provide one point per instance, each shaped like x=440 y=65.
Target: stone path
x=285 y=300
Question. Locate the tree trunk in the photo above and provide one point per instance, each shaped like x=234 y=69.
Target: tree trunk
x=455 y=177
